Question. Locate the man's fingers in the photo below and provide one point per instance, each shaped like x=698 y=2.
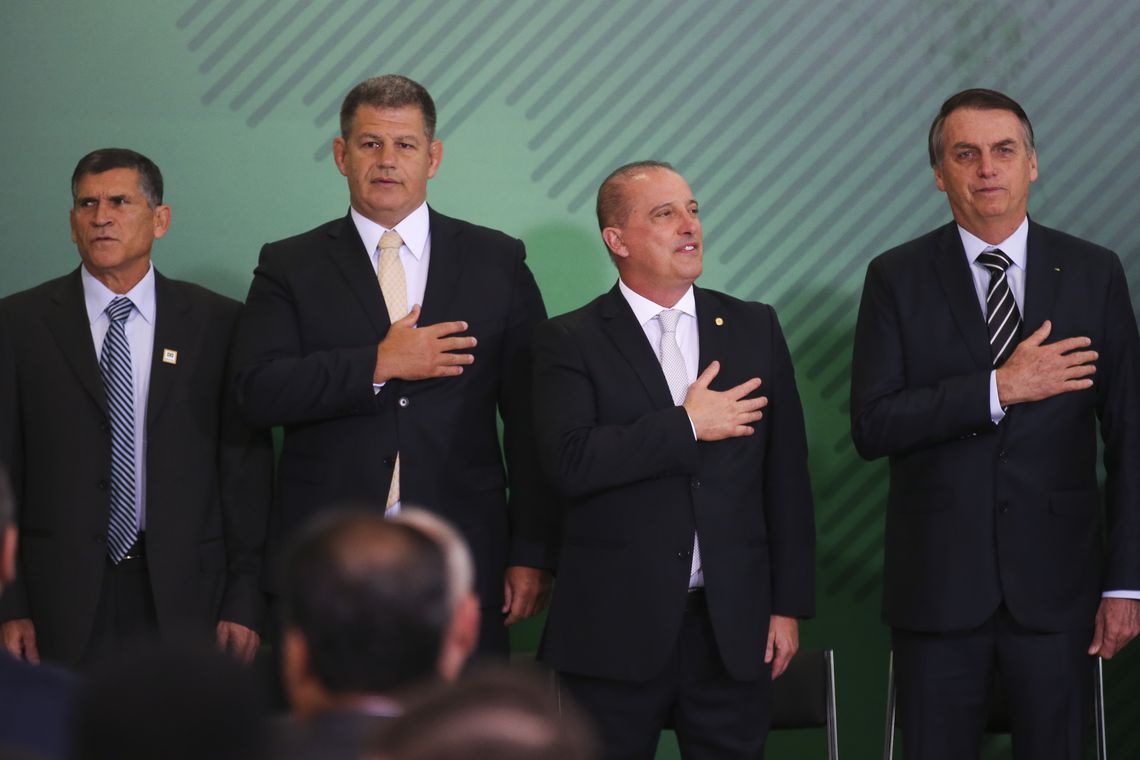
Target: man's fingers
x=455 y=344
x=409 y=319
x=1081 y=358
x=707 y=376
x=443 y=329
x=1040 y=334
x=742 y=390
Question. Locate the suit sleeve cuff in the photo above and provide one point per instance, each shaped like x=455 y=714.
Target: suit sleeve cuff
x=1121 y=594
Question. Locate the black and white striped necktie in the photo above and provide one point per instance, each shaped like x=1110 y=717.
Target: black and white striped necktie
x=1002 y=315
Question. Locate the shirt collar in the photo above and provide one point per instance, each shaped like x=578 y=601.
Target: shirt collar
x=1013 y=246
x=645 y=310
x=98 y=296
x=413 y=230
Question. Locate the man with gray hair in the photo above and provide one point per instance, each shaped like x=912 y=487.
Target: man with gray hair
x=386 y=342
x=371 y=607
x=144 y=495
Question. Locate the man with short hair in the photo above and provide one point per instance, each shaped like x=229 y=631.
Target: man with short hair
x=144 y=496
x=688 y=541
x=36 y=702
x=985 y=353
x=371 y=608
x=386 y=341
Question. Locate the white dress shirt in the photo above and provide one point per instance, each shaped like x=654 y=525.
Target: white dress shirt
x=139 y=327
x=688 y=340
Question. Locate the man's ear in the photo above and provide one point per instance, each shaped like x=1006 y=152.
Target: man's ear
x=613 y=240
x=460 y=639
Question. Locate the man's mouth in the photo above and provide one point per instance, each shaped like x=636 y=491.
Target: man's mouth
x=688 y=248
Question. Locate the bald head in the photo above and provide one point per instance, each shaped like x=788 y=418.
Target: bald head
x=613 y=202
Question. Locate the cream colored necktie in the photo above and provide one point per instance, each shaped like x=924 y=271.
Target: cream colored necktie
x=394 y=286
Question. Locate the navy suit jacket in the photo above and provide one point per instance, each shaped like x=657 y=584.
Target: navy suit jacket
x=978 y=514
x=208 y=474
x=307 y=342
x=36 y=705
x=636 y=484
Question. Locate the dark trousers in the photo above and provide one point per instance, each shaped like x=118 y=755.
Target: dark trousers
x=125 y=616
x=944 y=682
x=714 y=715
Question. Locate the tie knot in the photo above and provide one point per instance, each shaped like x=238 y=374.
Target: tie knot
x=119 y=309
x=668 y=320
x=391 y=240
x=995 y=260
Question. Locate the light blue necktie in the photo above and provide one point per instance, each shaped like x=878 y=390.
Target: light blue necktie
x=118 y=381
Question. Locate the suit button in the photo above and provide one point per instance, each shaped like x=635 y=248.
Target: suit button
x=680 y=555
x=389 y=461
x=404 y=401
x=696 y=483
x=102 y=485
x=1003 y=507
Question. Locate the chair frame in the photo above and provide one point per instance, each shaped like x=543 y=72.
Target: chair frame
x=832 y=722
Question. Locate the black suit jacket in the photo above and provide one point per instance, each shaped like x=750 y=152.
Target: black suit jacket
x=307 y=342
x=636 y=484
x=36 y=707
x=979 y=513
x=207 y=473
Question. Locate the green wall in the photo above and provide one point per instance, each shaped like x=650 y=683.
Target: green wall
x=800 y=125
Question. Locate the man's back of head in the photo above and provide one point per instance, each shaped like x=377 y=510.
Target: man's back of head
x=366 y=608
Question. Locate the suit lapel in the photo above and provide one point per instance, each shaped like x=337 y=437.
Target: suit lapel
x=1042 y=263
x=71 y=328
x=445 y=267
x=713 y=337
x=961 y=296
x=347 y=252
x=175 y=328
x=621 y=326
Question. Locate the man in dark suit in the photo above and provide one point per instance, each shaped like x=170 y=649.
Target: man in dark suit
x=36 y=702
x=688 y=535
x=144 y=496
x=385 y=341
x=373 y=608
x=985 y=353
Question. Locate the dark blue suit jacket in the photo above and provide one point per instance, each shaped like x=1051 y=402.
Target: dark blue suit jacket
x=35 y=708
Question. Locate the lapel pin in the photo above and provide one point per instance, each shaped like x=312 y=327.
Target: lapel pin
x=719 y=321
x=1056 y=269
x=169 y=356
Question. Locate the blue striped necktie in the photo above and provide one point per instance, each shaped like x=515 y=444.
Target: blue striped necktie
x=118 y=381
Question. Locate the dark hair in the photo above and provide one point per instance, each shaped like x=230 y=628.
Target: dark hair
x=613 y=208
x=499 y=711
x=106 y=159
x=370 y=598
x=177 y=702
x=388 y=91
x=983 y=100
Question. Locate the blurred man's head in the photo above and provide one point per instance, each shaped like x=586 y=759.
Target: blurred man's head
x=368 y=610
x=499 y=712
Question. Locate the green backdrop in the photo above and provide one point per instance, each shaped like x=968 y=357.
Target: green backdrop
x=800 y=125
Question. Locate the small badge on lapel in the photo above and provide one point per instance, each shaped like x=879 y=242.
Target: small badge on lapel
x=1056 y=269
x=169 y=356
x=719 y=321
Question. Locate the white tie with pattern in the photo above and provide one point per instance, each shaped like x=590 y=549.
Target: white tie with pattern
x=673 y=365
x=394 y=287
